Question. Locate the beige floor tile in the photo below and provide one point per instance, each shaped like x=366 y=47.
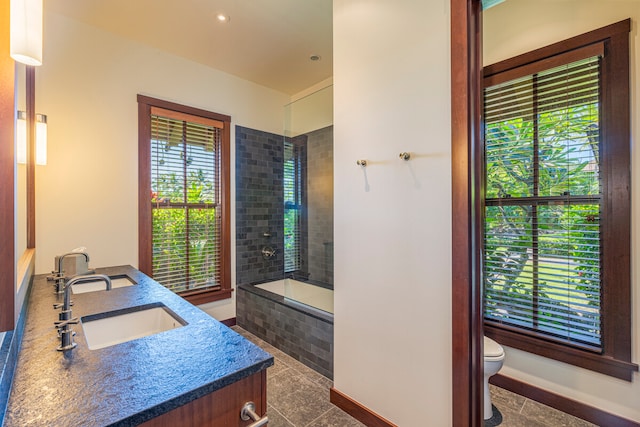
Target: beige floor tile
x=276 y=419
x=335 y=417
x=551 y=417
x=302 y=404
x=514 y=419
x=504 y=399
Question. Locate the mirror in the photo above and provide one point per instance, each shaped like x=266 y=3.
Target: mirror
x=308 y=188
x=21 y=174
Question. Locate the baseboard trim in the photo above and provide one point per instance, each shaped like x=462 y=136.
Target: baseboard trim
x=229 y=322
x=561 y=403
x=357 y=411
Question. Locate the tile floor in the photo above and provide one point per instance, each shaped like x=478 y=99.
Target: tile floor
x=518 y=411
x=298 y=396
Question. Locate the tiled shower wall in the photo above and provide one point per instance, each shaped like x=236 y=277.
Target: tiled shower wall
x=320 y=204
x=259 y=205
x=260 y=210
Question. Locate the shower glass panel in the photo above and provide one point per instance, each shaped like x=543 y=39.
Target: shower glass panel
x=308 y=188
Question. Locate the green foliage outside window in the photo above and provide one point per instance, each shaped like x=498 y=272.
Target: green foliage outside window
x=542 y=254
x=185 y=237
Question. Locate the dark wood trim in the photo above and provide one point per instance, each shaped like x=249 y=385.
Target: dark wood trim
x=561 y=403
x=616 y=168
x=31 y=155
x=615 y=357
x=357 y=411
x=204 y=297
x=573 y=356
x=263 y=394
x=7 y=175
x=145 y=261
x=168 y=105
x=145 y=226
x=583 y=52
x=600 y=34
x=177 y=115
x=219 y=408
x=225 y=188
x=229 y=322
x=466 y=84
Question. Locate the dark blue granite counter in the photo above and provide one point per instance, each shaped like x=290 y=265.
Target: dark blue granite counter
x=128 y=383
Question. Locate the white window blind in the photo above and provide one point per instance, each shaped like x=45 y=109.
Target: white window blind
x=185 y=196
x=543 y=199
x=292 y=207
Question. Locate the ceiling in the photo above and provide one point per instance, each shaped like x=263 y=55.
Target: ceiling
x=268 y=42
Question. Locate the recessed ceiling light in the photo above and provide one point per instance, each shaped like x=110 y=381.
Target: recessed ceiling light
x=315 y=57
x=223 y=18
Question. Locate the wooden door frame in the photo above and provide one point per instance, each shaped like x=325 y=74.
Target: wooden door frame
x=466 y=110
x=7 y=175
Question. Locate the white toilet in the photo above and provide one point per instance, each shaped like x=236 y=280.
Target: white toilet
x=493 y=358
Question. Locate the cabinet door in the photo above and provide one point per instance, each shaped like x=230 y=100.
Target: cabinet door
x=220 y=408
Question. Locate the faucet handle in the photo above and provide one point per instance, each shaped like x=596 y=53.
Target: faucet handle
x=58 y=282
x=58 y=305
x=62 y=323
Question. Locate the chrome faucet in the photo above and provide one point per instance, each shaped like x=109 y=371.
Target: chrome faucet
x=58 y=276
x=65 y=319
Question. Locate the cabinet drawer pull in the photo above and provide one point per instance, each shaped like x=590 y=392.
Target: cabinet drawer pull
x=248 y=412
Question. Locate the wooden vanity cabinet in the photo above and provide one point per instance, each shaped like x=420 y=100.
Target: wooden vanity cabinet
x=220 y=408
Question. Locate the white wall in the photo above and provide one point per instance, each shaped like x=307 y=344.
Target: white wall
x=507 y=33
x=393 y=218
x=310 y=112
x=87 y=193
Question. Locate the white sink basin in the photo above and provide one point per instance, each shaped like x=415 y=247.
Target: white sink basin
x=99 y=285
x=115 y=327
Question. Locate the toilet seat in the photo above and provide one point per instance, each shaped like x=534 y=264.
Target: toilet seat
x=492 y=350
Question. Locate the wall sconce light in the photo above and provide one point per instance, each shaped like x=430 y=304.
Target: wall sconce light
x=26 y=31
x=21 y=137
x=41 y=138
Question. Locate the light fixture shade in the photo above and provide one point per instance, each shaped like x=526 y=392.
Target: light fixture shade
x=21 y=137
x=26 y=31
x=41 y=139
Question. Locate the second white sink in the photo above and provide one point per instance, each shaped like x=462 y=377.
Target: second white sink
x=99 y=285
x=115 y=327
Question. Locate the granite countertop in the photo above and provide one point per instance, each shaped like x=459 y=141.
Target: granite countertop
x=127 y=383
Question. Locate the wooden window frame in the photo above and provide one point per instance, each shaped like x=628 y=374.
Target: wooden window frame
x=615 y=359
x=145 y=261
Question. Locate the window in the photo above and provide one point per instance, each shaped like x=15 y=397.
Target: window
x=295 y=222
x=556 y=268
x=183 y=202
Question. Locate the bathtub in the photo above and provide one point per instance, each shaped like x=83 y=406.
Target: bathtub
x=294 y=291
x=295 y=317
